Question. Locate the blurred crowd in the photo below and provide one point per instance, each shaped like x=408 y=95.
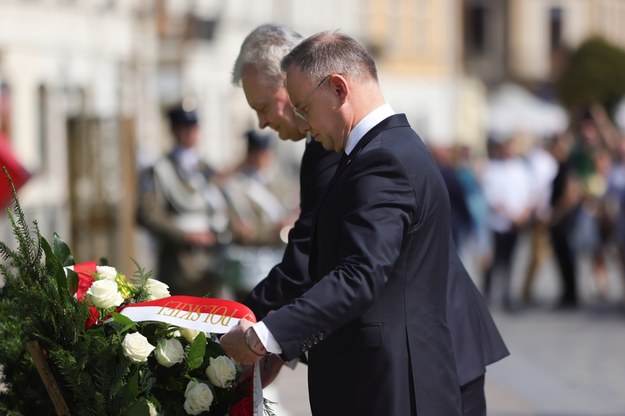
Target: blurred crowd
x=565 y=194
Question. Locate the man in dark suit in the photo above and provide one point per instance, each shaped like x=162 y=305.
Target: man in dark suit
x=476 y=340
x=257 y=71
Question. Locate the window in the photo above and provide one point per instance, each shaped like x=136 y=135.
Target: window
x=475 y=28
x=555 y=28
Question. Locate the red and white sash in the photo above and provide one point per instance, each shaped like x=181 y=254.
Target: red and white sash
x=216 y=316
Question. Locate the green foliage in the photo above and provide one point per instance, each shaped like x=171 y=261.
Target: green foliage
x=593 y=75
x=37 y=303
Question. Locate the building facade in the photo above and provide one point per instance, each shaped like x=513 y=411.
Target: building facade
x=84 y=84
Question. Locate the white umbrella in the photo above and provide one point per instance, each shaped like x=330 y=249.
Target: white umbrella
x=511 y=109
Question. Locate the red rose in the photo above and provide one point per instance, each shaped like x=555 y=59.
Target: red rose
x=85 y=272
x=93 y=317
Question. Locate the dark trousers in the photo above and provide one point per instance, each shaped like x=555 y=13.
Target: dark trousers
x=473 y=398
x=504 y=243
x=565 y=257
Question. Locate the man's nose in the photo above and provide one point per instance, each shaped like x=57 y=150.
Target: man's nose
x=302 y=125
x=262 y=121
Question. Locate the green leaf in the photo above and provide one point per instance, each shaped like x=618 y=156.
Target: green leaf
x=125 y=321
x=72 y=282
x=196 y=351
x=48 y=251
x=54 y=268
x=61 y=251
x=62 y=282
x=214 y=349
x=139 y=408
x=132 y=389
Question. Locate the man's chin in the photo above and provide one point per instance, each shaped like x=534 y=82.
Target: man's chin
x=295 y=137
x=328 y=147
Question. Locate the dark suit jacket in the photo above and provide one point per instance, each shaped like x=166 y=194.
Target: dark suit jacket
x=375 y=321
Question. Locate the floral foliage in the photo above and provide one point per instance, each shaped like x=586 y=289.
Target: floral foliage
x=105 y=363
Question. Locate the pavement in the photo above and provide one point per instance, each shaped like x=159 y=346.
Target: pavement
x=562 y=362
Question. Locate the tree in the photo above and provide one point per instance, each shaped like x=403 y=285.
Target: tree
x=594 y=75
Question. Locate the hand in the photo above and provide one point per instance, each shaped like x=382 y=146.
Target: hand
x=201 y=239
x=245 y=233
x=241 y=349
x=247 y=372
x=270 y=367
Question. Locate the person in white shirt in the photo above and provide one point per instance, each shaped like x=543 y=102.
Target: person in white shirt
x=507 y=186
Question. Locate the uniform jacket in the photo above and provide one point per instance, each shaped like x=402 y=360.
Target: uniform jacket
x=169 y=205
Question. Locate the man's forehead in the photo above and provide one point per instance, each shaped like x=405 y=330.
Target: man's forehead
x=259 y=92
x=296 y=79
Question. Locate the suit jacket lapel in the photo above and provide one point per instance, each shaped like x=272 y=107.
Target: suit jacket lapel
x=390 y=122
x=395 y=120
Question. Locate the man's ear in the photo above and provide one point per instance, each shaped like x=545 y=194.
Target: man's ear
x=340 y=86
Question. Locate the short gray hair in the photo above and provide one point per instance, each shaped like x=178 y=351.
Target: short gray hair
x=328 y=53
x=264 y=48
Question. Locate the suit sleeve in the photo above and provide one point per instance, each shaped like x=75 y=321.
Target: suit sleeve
x=290 y=278
x=376 y=207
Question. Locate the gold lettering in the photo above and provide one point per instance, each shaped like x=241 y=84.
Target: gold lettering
x=209 y=313
x=217 y=314
x=160 y=312
x=184 y=316
x=194 y=314
x=225 y=320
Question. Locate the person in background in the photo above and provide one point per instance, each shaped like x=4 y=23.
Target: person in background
x=259 y=216
x=566 y=199
x=185 y=211
x=542 y=168
x=507 y=187
x=477 y=250
x=591 y=158
x=615 y=201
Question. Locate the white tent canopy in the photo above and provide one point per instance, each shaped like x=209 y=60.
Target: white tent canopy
x=511 y=109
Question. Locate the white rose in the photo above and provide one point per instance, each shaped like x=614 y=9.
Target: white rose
x=105 y=272
x=221 y=371
x=198 y=398
x=152 y=409
x=136 y=347
x=104 y=294
x=189 y=334
x=168 y=352
x=156 y=289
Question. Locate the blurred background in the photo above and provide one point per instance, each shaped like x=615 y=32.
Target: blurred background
x=85 y=86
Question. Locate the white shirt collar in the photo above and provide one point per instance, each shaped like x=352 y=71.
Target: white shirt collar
x=187 y=157
x=370 y=121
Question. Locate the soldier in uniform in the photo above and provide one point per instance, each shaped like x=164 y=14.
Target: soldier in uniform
x=186 y=212
x=259 y=216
